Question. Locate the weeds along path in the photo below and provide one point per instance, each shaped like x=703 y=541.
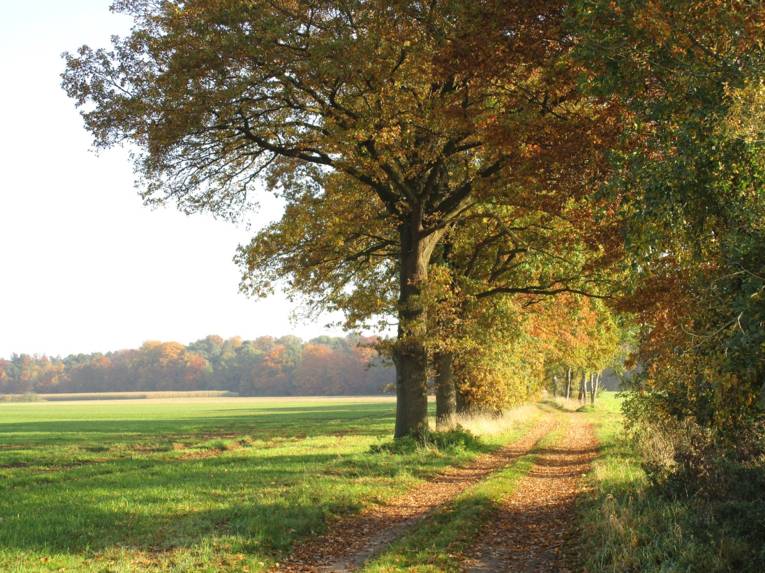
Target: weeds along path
x=354 y=540
x=528 y=531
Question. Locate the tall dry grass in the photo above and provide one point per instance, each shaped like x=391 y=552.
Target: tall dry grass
x=488 y=425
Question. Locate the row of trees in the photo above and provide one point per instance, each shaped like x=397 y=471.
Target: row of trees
x=261 y=367
x=436 y=160
x=505 y=364
x=487 y=174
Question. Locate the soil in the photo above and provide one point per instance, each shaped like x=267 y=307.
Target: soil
x=529 y=531
x=351 y=541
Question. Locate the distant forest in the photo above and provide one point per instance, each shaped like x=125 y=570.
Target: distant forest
x=262 y=367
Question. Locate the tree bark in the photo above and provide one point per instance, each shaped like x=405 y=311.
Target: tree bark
x=463 y=403
x=446 y=389
x=411 y=355
x=592 y=388
x=568 y=384
x=596 y=388
x=583 y=387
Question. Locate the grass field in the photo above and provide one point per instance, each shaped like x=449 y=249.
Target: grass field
x=79 y=396
x=193 y=485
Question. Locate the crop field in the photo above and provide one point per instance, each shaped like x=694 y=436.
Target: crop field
x=79 y=396
x=194 y=484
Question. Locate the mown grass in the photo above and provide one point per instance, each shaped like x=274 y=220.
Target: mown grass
x=202 y=486
x=630 y=525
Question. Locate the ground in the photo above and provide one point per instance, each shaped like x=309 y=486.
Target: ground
x=228 y=484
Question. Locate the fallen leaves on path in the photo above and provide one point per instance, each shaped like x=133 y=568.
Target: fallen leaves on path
x=353 y=540
x=527 y=533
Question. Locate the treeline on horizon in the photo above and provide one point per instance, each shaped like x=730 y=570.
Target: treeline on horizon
x=265 y=366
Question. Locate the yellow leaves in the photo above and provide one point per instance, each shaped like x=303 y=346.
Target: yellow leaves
x=746 y=115
x=530 y=150
x=389 y=135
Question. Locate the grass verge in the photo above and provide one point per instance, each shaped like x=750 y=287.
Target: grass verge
x=628 y=525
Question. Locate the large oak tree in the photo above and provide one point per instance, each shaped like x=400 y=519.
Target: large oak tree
x=403 y=97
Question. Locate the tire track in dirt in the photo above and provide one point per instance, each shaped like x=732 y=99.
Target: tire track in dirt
x=352 y=541
x=528 y=532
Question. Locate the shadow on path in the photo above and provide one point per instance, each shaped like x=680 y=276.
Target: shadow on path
x=529 y=528
x=349 y=543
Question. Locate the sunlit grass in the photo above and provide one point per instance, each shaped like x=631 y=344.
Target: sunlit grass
x=490 y=425
x=191 y=486
x=630 y=526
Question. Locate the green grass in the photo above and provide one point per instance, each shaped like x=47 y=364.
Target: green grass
x=76 y=396
x=434 y=545
x=192 y=486
x=628 y=525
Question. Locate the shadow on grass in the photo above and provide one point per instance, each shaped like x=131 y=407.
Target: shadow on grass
x=261 y=527
x=149 y=498
x=267 y=502
x=580 y=407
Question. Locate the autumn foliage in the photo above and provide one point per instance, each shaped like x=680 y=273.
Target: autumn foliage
x=690 y=172
x=262 y=367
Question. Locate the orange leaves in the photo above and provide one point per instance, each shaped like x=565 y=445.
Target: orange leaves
x=265 y=366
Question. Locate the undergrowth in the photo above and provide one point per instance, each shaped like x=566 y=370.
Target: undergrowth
x=456 y=440
x=631 y=523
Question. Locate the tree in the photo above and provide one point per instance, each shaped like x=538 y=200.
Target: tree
x=522 y=248
x=216 y=94
x=690 y=172
x=264 y=366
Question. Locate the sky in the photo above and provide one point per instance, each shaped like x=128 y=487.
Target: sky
x=84 y=266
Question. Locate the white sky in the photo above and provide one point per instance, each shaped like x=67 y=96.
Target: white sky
x=84 y=266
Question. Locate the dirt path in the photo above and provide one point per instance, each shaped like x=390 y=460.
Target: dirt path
x=352 y=541
x=529 y=530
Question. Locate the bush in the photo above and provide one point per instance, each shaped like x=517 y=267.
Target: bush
x=665 y=499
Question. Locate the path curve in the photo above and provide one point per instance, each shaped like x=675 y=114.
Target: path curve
x=352 y=541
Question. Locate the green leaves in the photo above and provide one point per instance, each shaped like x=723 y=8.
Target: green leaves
x=690 y=174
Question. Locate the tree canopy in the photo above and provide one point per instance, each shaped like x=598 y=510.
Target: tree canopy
x=265 y=366
x=689 y=171
x=401 y=104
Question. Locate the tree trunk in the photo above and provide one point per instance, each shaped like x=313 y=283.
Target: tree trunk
x=463 y=402
x=411 y=355
x=596 y=387
x=568 y=384
x=583 y=387
x=555 y=386
x=446 y=389
x=592 y=388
